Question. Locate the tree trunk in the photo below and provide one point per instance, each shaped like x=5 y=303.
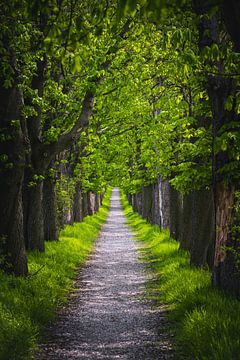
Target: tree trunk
x=12 y=248
x=78 y=204
x=12 y=151
x=226 y=274
x=85 y=204
x=139 y=201
x=202 y=228
x=164 y=202
x=51 y=231
x=34 y=218
x=175 y=214
x=147 y=203
x=156 y=205
x=231 y=16
x=97 y=202
x=130 y=199
x=38 y=164
x=134 y=202
x=187 y=218
x=91 y=202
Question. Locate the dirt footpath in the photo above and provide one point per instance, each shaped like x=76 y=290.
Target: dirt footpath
x=109 y=315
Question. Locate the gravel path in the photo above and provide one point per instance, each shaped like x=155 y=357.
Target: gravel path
x=110 y=316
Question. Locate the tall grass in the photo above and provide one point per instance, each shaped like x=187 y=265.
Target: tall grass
x=27 y=305
x=206 y=322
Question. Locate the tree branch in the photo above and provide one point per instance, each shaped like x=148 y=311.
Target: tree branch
x=65 y=140
x=82 y=122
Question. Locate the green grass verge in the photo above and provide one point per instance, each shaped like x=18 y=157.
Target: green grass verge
x=206 y=322
x=27 y=305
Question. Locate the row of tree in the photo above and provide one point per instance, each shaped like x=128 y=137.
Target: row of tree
x=175 y=111
x=53 y=55
x=121 y=92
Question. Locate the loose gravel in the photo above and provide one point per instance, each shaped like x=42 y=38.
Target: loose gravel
x=110 y=315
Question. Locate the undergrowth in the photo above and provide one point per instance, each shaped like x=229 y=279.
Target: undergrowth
x=27 y=305
x=206 y=322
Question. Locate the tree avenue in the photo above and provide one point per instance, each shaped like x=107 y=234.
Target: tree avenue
x=138 y=94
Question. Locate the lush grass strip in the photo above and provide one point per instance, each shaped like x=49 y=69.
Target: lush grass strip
x=207 y=323
x=26 y=305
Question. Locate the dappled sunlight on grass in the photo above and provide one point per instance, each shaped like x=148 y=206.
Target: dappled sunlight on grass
x=206 y=322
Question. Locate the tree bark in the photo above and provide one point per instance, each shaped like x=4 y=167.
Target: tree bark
x=51 y=231
x=78 y=204
x=12 y=151
x=34 y=219
x=226 y=272
x=231 y=17
x=97 y=202
x=147 y=203
x=175 y=225
x=156 y=205
x=130 y=199
x=33 y=188
x=134 y=202
x=187 y=219
x=85 y=204
x=91 y=202
x=164 y=202
x=202 y=224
